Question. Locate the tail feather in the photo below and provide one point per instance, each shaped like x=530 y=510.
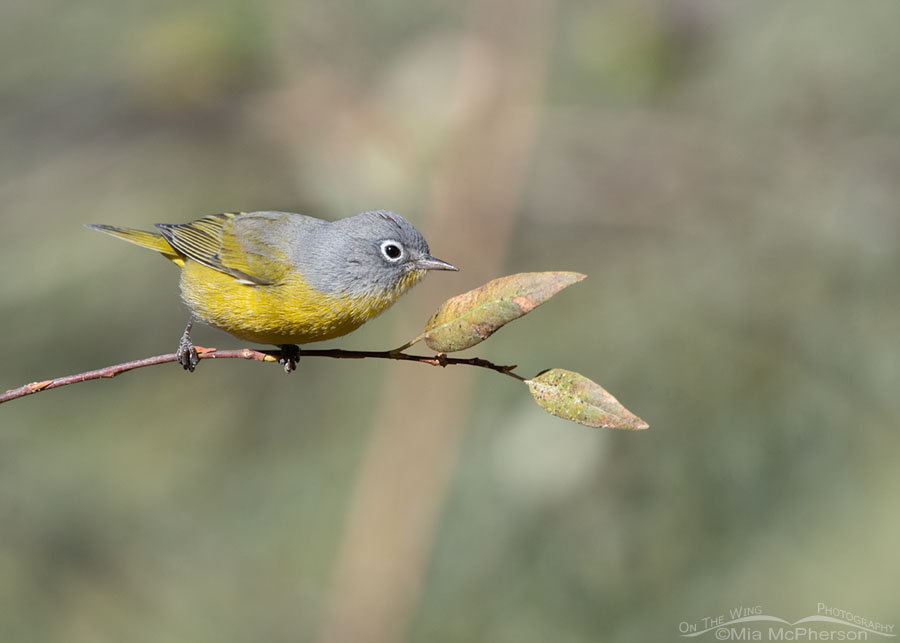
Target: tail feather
x=151 y=240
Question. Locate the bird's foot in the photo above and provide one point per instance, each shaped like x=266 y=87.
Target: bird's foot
x=290 y=355
x=186 y=353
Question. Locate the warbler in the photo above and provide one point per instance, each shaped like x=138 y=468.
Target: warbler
x=283 y=278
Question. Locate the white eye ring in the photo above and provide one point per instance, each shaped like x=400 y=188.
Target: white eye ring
x=392 y=250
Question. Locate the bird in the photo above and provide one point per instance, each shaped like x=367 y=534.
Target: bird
x=284 y=278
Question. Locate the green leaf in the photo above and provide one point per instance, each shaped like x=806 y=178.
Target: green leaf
x=470 y=318
x=574 y=397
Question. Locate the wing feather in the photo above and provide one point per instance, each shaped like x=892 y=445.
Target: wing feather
x=240 y=245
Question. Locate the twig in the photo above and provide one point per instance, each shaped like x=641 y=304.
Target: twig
x=440 y=359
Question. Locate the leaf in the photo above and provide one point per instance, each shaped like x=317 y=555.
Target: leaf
x=574 y=397
x=470 y=318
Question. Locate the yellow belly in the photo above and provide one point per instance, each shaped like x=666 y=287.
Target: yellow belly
x=291 y=312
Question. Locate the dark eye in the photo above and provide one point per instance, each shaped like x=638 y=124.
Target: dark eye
x=392 y=250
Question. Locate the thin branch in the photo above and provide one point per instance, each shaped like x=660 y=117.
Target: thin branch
x=440 y=359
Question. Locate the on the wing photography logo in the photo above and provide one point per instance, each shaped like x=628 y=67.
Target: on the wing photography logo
x=752 y=623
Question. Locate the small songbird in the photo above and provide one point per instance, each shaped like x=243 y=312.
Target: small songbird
x=285 y=279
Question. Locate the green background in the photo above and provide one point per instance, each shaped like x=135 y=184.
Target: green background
x=726 y=174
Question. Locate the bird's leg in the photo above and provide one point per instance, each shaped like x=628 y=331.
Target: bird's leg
x=186 y=353
x=290 y=355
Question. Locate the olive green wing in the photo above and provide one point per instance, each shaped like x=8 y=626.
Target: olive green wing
x=245 y=246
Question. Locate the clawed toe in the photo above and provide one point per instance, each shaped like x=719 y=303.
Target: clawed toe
x=290 y=355
x=187 y=356
x=186 y=353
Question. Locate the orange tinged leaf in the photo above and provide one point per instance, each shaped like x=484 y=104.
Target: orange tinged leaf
x=470 y=318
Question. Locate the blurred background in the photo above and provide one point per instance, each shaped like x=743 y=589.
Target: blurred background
x=725 y=173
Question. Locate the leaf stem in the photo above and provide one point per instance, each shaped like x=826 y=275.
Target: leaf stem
x=411 y=342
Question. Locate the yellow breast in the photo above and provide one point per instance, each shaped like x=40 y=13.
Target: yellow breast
x=290 y=312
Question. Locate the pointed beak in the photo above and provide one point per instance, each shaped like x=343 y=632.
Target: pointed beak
x=430 y=263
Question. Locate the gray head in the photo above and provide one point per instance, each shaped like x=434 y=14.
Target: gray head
x=375 y=253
